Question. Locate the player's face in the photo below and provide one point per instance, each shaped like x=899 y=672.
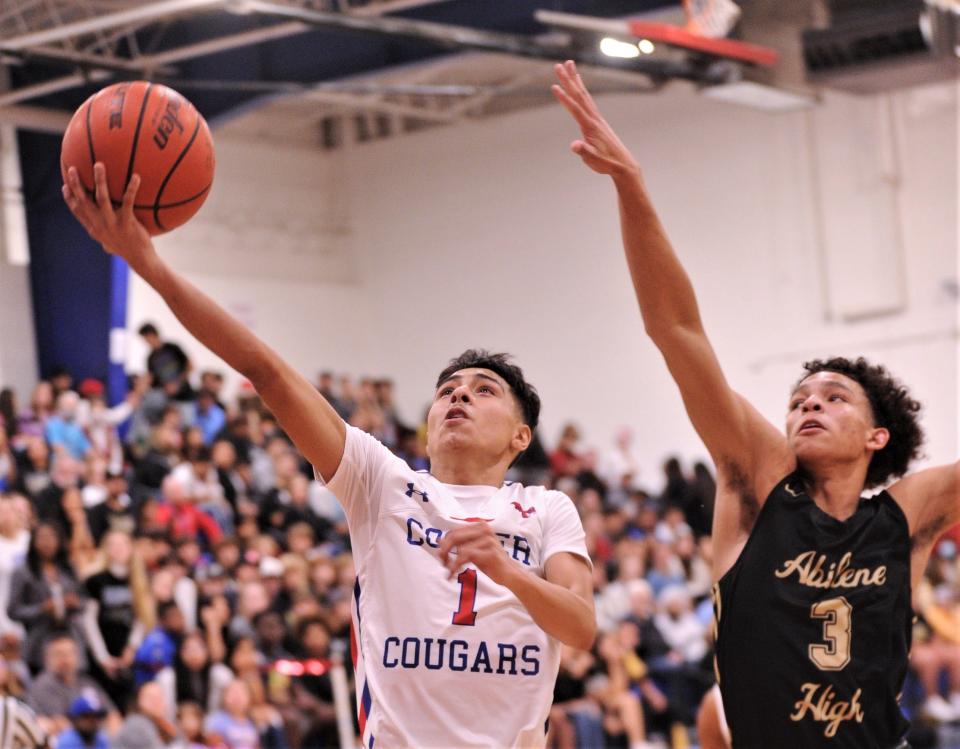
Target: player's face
x=830 y=420
x=475 y=409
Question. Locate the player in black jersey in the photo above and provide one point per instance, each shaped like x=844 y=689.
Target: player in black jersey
x=813 y=582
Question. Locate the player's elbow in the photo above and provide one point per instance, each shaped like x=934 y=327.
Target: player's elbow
x=584 y=636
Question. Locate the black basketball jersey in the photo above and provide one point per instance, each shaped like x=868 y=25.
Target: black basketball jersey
x=813 y=626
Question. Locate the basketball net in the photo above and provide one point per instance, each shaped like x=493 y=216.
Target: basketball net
x=711 y=18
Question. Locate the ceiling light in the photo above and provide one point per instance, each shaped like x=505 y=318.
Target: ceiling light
x=646 y=46
x=615 y=48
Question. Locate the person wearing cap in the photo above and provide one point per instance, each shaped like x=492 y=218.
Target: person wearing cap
x=86 y=731
x=53 y=692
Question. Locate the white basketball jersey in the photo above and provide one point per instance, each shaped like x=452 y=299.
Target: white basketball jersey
x=446 y=662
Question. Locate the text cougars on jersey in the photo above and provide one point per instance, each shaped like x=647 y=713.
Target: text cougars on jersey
x=516 y=546
x=810 y=572
x=438 y=653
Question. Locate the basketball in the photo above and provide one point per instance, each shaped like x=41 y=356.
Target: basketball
x=147 y=129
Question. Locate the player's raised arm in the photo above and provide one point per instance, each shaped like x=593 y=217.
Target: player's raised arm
x=733 y=432
x=931 y=501
x=306 y=416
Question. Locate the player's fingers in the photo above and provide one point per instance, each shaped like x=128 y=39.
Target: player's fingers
x=102 y=191
x=568 y=81
x=580 y=90
x=130 y=194
x=73 y=182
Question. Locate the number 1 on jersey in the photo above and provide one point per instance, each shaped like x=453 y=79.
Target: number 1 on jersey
x=465 y=613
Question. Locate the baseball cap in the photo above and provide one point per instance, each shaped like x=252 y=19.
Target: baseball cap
x=86 y=705
x=91 y=387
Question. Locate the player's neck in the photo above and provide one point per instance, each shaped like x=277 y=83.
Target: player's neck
x=835 y=490
x=463 y=470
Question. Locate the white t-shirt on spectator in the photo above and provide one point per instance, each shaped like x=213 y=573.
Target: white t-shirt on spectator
x=446 y=662
x=13 y=553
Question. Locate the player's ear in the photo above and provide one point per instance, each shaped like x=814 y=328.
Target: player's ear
x=878 y=439
x=521 y=438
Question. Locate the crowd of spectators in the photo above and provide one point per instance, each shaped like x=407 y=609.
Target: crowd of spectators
x=171 y=575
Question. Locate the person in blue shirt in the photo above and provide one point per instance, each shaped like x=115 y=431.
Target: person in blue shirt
x=63 y=430
x=86 y=731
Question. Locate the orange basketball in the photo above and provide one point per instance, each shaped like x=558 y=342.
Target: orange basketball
x=147 y=129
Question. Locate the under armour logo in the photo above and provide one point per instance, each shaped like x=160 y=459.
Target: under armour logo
x=525 y=513
x=411 y=491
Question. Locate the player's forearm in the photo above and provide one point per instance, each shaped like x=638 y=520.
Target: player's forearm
x=559 y=612
x=662 y=286
x=207 y=321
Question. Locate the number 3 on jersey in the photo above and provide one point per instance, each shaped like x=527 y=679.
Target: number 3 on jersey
x=465 y=613
x=837 y=614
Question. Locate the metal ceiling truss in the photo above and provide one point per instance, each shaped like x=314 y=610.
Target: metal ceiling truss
x=100 y=40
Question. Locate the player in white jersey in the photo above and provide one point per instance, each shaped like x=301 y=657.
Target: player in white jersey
x=465 y=585
x=18 y=726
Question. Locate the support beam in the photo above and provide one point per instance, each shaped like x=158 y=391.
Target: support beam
x=52 y=86
x=463 y=38
x=77 y=59
x=151 y=11
x=35 y=118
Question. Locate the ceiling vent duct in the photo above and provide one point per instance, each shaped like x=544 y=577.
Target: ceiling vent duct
x=881 y=45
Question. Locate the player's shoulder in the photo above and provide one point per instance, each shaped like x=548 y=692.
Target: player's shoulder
x=364 y=447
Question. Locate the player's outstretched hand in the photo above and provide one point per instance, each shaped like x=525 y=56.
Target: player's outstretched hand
x=600 y=148
x=475 y=544
x=117 y=230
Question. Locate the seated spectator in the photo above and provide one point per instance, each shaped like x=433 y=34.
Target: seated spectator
x=33 y=471
x=271 y=635
x=161 y=455
x=565 y=460
x=190 y=724
x=8 y=464
x=86 y=730
x=14 y=542
x=232 y=725
x=60 y=683
x=115 y=512
x=312 y=693
x=201 y=482
x=63 y=429
x=622 y=715
x=209 y=416
x=575 y=719
x=251 y=600
x=33 y=421
x=159 y=647
x=45 y=597
x=146 y=725
x=935 y=656
x=178 y=513
x=223 y=456
x=64 y=474
x=13 y=677
x=194 y=677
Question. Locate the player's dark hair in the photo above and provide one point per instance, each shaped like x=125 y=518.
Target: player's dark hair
x=148 y=328
x=893 y=409
x=523 y=391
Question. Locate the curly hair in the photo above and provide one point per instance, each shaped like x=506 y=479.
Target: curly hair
x=523 y=391
x=893 y=409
